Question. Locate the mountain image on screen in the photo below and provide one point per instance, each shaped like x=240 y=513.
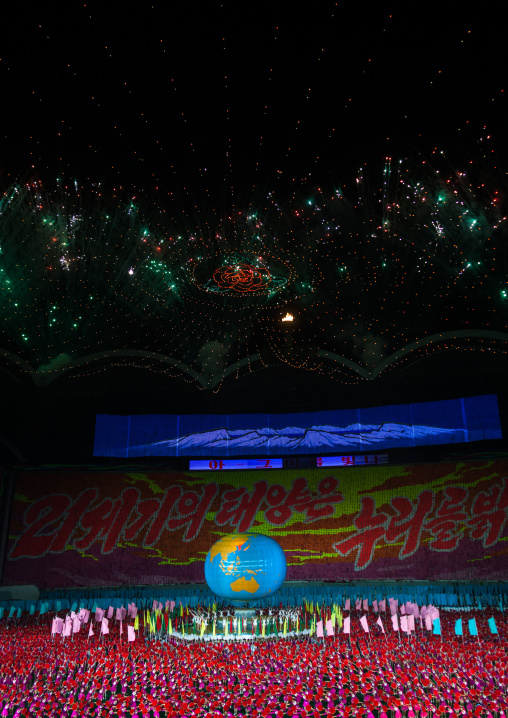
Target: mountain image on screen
x=449 y=421
x=315 y=437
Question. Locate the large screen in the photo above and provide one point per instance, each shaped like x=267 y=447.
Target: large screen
x=222 y=435
x=423 y=522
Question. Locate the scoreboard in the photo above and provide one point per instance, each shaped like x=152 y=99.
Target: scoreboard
x=300 y=462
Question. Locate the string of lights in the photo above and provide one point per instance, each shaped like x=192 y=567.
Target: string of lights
x=362 y=275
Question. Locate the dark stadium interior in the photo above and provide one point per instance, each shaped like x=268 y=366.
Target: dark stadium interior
x=56 y=423
x=272 y=243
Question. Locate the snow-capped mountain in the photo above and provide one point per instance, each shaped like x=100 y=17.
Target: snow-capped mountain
x=326 y=438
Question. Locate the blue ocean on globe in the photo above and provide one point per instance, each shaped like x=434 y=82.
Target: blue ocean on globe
x=245 y=567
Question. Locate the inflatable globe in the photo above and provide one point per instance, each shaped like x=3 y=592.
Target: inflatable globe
x=245 y=567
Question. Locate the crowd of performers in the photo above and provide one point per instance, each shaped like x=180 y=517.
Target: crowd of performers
x=227 y=622
x=458 y=669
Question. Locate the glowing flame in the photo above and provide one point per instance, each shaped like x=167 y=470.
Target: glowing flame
x=288 y=318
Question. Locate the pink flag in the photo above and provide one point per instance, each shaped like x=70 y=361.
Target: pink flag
x=167 y=605
x=382 y=605
x=395 y=622
x=358 y=604
x=347 y=607
x=403 y=611
x=155 y=604
x=134 y=611
x=123 y=613
x=59 y=625
x=319 y=631
x=104 y=626
x=428 y=621
x=129 y=609
x=110 y=612
x=380 y=623
x=53 y=627
x=365 y=604
x=416 y=611
x=171 y=606
x=131 y=633
x=423 y=611
x=76 y=624
x=374 y=606
x=160 y=606
x=86 y=617
x=365 y=625
x=403 y=624
x=411 y=623
x=434 y=613
x=329 y=628
x=67 y=629
x=121 y=627
x=347 y=625
x=90 y=630
x=99 y=613
x=118 y=615
x=393 y=608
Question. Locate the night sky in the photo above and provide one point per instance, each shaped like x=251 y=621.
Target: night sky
x=221 y=101
x=145 y=154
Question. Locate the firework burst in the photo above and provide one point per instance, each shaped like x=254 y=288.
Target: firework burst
x=367 y=277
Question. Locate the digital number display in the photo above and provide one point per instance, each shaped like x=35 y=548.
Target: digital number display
x=230 y=464
x=287 y=463
x=369 y=459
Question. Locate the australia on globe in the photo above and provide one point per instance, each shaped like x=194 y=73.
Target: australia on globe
x=245 y=567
